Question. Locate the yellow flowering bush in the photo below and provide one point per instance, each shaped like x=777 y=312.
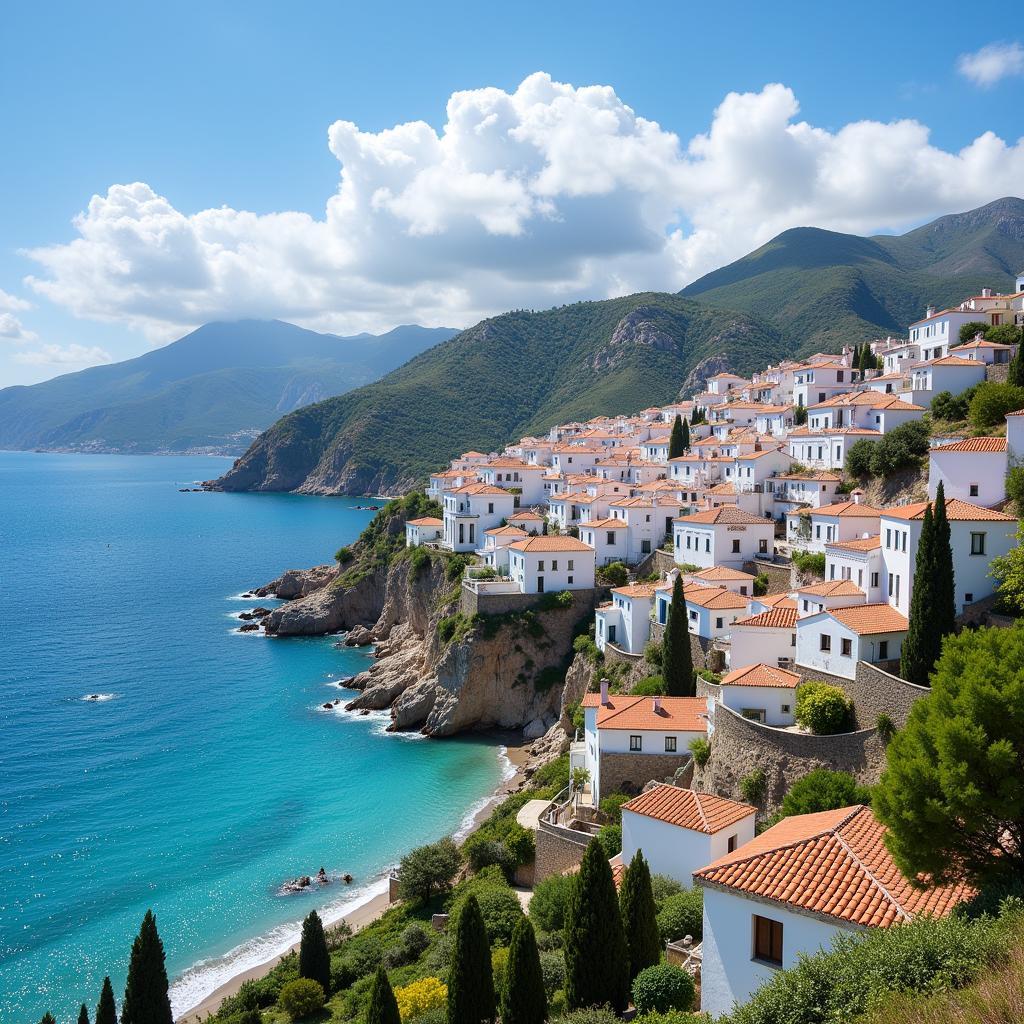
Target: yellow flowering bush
x=420 y=996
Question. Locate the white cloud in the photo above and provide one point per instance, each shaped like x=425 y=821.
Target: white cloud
x=11 y=303
x=991 y=63
x=12 y=329
x=544 y=195
x=68 y=355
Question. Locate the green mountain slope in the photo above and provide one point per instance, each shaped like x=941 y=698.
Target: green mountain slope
x=511 y=375
x=215 y=389
x=823 y=289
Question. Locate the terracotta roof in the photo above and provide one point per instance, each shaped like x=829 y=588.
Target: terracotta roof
x=861 y=544
x=865 y=619
x=720 y=572
x=716 y=598
x=635 y=590
x=425 y=521
x=762 y=675
x=955 y=509
x=700 y=812
x=505 y=531
x=981 y=343
x=846 y=508
x=625 y=711
x=728 y=515
x=953 y=361
x=821 y=477
x=871 y=399
x=480 y=489
x=526 y=515
x=832 y=863
x=549 y=543
x=833 y=588
x=775 y=618
x=604 y=524
x=974 y=444
x=780 y=600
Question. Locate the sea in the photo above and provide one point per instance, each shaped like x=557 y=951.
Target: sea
x=152 y=756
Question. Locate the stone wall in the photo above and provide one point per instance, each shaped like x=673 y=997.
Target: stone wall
x=663 y=562
x=999 y=372
x=557 y=850
x=780 y=577
x=873 y=693
x=617 y=656
x=499 y=604
x=629 y=773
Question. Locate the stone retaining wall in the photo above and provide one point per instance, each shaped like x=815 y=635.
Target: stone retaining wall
x=780 y=577
x=663 y=562
x=629 y=773
x=873 y=692
x=557 y=850
x=499 y=604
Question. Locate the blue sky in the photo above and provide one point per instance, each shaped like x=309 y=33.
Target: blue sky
x=229 y=105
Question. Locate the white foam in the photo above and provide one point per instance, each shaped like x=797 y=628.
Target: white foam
x=98 y=698
x=206 y=976
x=508 y=771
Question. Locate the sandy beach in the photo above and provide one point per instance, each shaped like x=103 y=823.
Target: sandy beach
x=517 y=754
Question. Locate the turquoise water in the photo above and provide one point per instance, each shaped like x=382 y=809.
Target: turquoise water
x=211 y=774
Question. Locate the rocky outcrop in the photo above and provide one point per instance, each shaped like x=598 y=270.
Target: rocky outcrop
x=298 y=582
x=697 y=379
x=329 y=609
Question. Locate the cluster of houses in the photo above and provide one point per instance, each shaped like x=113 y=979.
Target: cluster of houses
x=761 y=479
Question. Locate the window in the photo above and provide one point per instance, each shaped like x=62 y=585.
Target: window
x=670 y=744
x=768 y=940
x=611 y=537
x=968 y=598
x=554 y=565
x=611 y=634
x=846 y=647
x=735 y=547
x=636 y=743
x=540 y=565
x=572 y=564
x=883 y=650
x=732 y=844
x=888 y=538
x=826 y=642
x=762 y=547
x=974 y=490
x=490 y=508
x=784 y=708
x=645 y=547
x=707 y=545
x=977 y=543
x=570 y=579
x=719 y=623
x=754 y=714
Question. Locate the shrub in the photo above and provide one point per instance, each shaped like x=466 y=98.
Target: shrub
x=552 y=968
x=950 y=407
x=972 y=328
x=499 y=967
x=547 y=905
x=593 y=1015
x=901 y=447
x=761 y=584
x=651 y=686
x=574 y=712
x=301 y=998
x=556 y=599
x=701 y=750
x=343 y=556
x=428 y=870
x=584 y=644
x=611 y=805
x=991 y=402
x=752 y=786
x=823 y=708
x=674 y=1017
x=858 y=458
x=610 y=838
x=412 y=944
x=1015 y=486
x=682 y=914
x=420 y=560
x=499 y=907
x=653 y=653
x=886 y=727
x=613 y=575
x=482 y=850
x=661 y=988
x=809 y=562
x=420 y=996
x=662 y=887
x=823 y=790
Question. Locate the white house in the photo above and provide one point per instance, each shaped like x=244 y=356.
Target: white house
x=898 y=359
x=470 y=511
x=625 y=621
x=827 y=449
x=424 y=530
x=763 y=693
x=680 y=830
x=859 y=561
x=724 y=536
x=812 y=529
x=494 y=554
x=830 y=594
x=867 y=409
x=1015 y=436
x=736 y=580
x=573 y=458
x=948 y=373
x=711 y=611
x=608 y=537
x=541 y=564
x=938 y=331
x=792 y=890
x=986 y=351
x=792 y=491
x=818 y=383
x=977 y=535
x=973 y=470
x=527 y=520
x=836 y=639
x=767 y=637
x=517 y=476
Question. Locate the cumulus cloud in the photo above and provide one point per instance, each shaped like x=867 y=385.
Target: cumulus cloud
x=992 y=63
x=543 y=195
x=66 y=355
x=12 y=329
x=11 y=303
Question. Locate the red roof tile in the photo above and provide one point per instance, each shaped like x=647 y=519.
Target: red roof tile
x=700 y=812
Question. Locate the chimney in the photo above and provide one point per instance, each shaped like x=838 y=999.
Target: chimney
x=657 y=705
x=986 y=293
x=930 y=311
x=604 y=693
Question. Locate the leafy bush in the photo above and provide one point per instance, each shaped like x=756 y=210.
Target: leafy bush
x=752 y=786
x=903 y=446
x=681 y=915
x=674 y=1017
x=972 y=328
x=593 y=1015
x=610 y=838
x=419 y=558
x=301 y=998
x=654 y=653
x=661 y=988
x=547 y=905
x=428 y=870
x=950 y=407
x=584 y=644
x=809 y=562
x=614 y=574
x=611 y=805
x=499 y=904
x=823 y=708
x=1015 y=486
x=552 y=967
x=343 y=555
x=420 y=996
x=411 y=945
x=761 y=584
x=482 y=850
x=499 y=968
x=574 y=712
x=886 y=727
x=858 y=457
x=662 y=887
x=991 y=402
x=701 y=750
x=823 y=790
x=556 y=599
x=651 y=686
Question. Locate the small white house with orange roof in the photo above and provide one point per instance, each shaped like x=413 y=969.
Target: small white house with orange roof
x=831 y=594
x=827 y=448
x=725 y=536
x=860 y=562
x=812 y=529
x=517 y=476
x=815 y=383
x=625 y=620
x=766 y=636
x=470 y=511
x=736 y=580
x=542 y=564
x=426 y=529
x=527 y=520
x=793 y=491
x=608 y=537
x=973 y=469
x=494 y=553
x=762 y=693
x=711 y=611
x=989 y=352
x=836 y=639
x=792 y=890
x=951 y=373
x=866 y=409
x=681 y=830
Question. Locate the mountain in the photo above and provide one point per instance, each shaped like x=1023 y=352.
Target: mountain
x=212 y=390
x=822 y=289
x=511 y=375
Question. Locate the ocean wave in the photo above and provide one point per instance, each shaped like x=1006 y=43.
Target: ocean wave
x=98 y=698
x=202 y=979
x=508 y=771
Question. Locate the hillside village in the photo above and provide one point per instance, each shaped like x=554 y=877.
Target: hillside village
x=783 y=519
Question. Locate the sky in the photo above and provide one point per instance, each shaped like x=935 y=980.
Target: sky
x=353 y=167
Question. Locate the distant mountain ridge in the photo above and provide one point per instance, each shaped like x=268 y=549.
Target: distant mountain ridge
x=213 y=390
x=823 y=289
x=511 y=375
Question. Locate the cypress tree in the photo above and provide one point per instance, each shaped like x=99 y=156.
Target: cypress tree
x=83 y=1014
x=636 y=901
x=145 y=994
x=314 y=960
x=383 y=1008
x=675 y=439
x=524 y=1000
x=106 y=1011
x=47 y=1019
x=855 y=358
x=471 y=981
x=923 y=642
x=596 y=956
x=677 y=661
x=943 y=613
x=1015 y=371
x=686 y=436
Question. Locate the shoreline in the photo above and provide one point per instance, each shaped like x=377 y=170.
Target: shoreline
x=511 y=747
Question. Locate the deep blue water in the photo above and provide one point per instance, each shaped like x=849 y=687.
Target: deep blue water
x=211 y=775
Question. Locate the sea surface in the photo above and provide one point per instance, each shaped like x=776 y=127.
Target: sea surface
x=208 y=773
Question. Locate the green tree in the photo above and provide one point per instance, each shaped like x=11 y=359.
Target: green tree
x=950 y=407
x=471 y=981
x=301 y=998
x=428 y=870
x=952 y=794
x=677 y=659
x=83 y=1014
x=903 y=446
x=639 y=916
x=314 y=959
x=923 y=642
x=991 y=402
x=858 y=458
x=944 y=610
x=548 y=903
x=1003 y=334
x=799 y=415
x=675 y=439
x=823 y=790
x=1015 y=371
x=106 y=1011
x=47 y=1019
x=970 y=330
x=823 y=708
x=1008 y=570
x=596 y=956
x=1015 y=487
x=145 y=994
x=686 y=436
x=382 y=1008
x=523 y=999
